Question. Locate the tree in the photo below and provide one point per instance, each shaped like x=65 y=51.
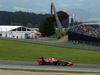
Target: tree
x=16 y=23
x=46 y=27
x=29 y=25
x=36 y=26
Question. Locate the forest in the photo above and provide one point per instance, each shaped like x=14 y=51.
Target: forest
x=27 y=19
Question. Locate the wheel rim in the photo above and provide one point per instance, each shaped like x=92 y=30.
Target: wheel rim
x=63 y=64
x=40 y=62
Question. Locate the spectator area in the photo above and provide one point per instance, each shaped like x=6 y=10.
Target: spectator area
x=72 y=35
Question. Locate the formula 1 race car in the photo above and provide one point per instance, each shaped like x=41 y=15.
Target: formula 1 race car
x=52 y=61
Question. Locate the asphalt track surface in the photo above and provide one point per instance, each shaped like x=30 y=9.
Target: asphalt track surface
x=34 y=65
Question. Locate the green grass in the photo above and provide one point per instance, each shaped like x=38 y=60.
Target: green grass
x=58 y=34
x=23 y=51
x=49 y=39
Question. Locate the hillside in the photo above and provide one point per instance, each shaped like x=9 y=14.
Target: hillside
x=21 y=18
x=24 y=19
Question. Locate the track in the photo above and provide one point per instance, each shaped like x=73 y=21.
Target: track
x=34 y=65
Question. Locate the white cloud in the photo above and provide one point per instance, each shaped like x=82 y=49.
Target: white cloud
x=40 y=10
x=44 y=10
x=21 y=9
x=35 y=10
x=0 y=5
x=64 y=5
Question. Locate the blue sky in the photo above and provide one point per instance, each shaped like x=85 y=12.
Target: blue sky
x=39 y=6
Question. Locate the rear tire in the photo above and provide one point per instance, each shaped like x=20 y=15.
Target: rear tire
x=40 y=62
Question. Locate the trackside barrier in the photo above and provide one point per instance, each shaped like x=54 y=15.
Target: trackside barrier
x=54 y=44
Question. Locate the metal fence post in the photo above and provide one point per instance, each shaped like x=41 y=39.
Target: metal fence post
x=91 y=43
x=83 y=43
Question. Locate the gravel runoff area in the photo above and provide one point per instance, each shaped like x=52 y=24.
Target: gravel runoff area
x=14 y=72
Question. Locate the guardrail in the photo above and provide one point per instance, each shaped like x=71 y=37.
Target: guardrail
x=54 y=44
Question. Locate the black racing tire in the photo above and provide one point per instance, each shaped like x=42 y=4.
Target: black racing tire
x=40 y=62
x=71 y=64
x=63 y=63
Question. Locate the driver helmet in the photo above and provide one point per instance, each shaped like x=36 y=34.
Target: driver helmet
x=53 y=59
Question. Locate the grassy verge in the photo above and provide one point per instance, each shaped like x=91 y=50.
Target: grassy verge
x=58 y=34
x=33 y=70
x=23 y=51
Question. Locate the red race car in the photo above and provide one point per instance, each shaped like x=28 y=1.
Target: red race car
x=52 y=61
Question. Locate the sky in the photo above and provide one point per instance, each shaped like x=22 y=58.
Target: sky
x=38 y=6
x=85 y=8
